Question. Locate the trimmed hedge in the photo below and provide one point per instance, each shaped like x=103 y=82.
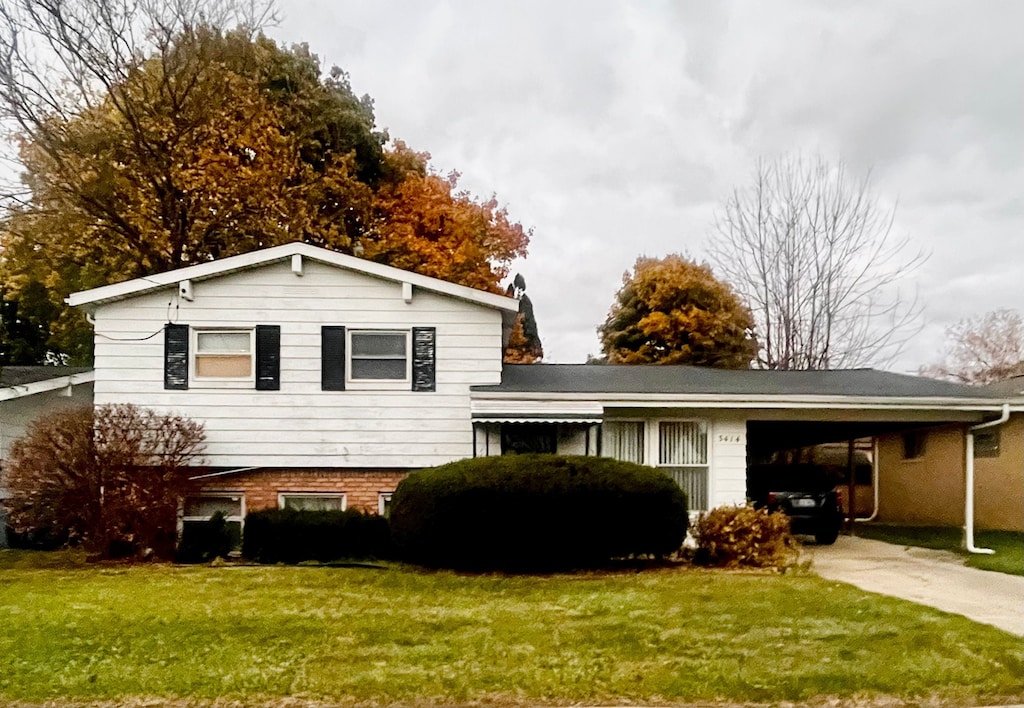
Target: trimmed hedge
x=536 y=512
x=292 y=536
x=203 y=541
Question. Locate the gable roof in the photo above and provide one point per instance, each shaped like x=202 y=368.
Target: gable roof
x=20 y=381
x=255 y=259
x=653 y=380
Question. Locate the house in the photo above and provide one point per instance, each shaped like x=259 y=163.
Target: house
x=323 y=379
x=922 y=470
x=28 y=392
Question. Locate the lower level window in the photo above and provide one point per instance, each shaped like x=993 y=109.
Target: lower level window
x=384 y=504
x=200 y=508
x=311 y=501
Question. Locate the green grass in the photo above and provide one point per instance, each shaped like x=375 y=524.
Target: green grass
x=1008 y=545
x=75 y=632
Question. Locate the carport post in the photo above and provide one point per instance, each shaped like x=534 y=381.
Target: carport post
x=850 y=487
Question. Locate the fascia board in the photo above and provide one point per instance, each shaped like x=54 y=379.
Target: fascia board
x=245 y=261
x=31 y=389
x=655 y=400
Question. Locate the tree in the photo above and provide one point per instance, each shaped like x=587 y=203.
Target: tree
x=674 y=311
x=108 y=478
x=524 y=345
x=982 y=350
x=155 y=139
x=812 y=252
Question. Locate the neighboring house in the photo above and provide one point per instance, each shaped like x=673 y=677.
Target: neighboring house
x=922 y=470
x=28 y=392
x=323 y=379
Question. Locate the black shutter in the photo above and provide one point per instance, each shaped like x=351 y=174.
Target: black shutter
x=176 y=356
x=268 y=358
x=424 y=342
x=332 y=358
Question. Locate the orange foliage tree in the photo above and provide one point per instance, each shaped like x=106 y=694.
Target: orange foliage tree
x=674 y=311
x=196 y=143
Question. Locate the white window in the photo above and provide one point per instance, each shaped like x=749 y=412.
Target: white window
x=311 y=501
x=200 y=508
x=384 y=504
x=683 y=455
x=623 y=440
x=223 y=354
x=379 y=355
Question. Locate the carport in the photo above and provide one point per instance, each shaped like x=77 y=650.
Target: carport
x=705 y=427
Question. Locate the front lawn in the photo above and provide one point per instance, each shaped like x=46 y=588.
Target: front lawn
x=1008 y=545
x=396 y=635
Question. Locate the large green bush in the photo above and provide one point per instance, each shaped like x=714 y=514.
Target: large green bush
x=536 y=512
x=293 y=536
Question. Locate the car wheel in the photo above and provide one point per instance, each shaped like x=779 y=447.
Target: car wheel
x=827 y=536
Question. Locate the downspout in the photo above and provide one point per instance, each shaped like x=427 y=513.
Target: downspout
x=874 y=481
x=969 y=492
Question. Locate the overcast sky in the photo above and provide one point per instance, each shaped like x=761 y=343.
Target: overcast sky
x=615 y=129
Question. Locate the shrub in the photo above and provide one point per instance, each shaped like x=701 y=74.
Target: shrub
x=536 y=512
x=742 y=536
x=203 y=541
x=293 y=536
x=107 y=478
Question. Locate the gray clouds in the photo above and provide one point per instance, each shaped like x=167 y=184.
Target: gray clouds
x=615 y=129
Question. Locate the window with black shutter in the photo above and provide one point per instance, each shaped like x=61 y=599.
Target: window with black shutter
x=176 y=356
x=332 y=358
x=424 y=345
x=268 y=357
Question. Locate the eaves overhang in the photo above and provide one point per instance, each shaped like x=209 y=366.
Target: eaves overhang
x=8 y=393
x=738 y=401
x=90 y=299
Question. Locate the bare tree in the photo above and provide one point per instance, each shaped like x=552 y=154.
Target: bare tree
x=982 y=350
x=813 y=254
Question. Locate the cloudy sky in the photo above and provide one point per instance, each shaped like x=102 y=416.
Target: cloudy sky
x=615 y=129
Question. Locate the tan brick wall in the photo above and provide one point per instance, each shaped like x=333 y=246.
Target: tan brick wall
x=999 y=481
x=261 y=487
x=930 y=490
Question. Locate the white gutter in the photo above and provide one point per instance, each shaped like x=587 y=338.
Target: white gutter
x=874 y=481
x=969 y=492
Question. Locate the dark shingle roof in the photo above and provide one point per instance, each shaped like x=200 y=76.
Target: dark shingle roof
x=1013 y=386
x=21 y=375
x=646 y=379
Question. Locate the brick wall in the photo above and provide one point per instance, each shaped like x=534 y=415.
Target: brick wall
x=261 y=487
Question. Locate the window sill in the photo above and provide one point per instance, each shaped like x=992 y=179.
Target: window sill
x=382 y=385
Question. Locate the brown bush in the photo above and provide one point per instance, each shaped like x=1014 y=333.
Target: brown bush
x=108 y=479
x=742 y=536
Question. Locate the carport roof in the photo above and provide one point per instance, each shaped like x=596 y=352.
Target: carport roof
x=691 y=380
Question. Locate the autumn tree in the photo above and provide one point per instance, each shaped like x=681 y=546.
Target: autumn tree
x=153 y=138
x=812 y=252
x=108 y=479
x=982 y=350
x=674 y=310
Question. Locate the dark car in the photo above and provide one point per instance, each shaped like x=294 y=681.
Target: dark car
x=806 y=493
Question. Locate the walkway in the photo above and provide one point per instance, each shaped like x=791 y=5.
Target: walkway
x=934 y=578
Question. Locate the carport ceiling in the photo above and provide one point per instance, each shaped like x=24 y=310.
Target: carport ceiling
x=764 y=436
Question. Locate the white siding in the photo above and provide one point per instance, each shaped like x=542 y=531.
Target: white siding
x=301 y=425
x=728 y=459
x=17 y=414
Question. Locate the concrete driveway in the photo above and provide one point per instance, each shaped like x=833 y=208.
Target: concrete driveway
x=933 y=578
